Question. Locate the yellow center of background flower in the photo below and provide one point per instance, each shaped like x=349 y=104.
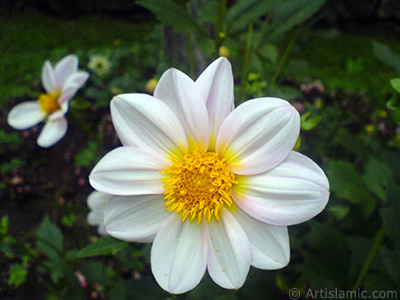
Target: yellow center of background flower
x=48 y=103
x=200 y=184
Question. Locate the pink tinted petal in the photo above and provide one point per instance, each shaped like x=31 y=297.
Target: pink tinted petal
x=179 y=255
x=142 y=120
x=49 y=79
x=25 y=115
x=52 y=132
x=182 y=95
x=229 y=254
x=65 y=68
x=72 y=84
x=270 y=247
x=129 y=171
x=292 y=193
x=135 y=218
x=216 y=86
x=258 y=135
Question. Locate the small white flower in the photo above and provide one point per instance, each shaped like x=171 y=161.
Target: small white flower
x=97 y=201
x=211 y=186
x=61 y=83
x=100 y=64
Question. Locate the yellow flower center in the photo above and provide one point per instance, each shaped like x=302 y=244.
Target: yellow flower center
x=200 y=184
x=49 y=103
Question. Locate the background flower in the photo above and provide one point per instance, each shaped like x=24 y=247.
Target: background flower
x=61 y=83
x=210 y=186
x=100 y=64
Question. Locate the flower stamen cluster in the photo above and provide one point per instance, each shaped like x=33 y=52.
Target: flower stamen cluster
x=199 y=186
x=48 y=103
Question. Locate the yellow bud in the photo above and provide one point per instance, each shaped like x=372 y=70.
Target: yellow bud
x=370 y=128
x=151 y=85
x=117 y=42
x=224 y=51
x=383 y=114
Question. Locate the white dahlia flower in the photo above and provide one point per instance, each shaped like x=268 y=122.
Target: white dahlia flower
x=61 y=83
x=212 y=187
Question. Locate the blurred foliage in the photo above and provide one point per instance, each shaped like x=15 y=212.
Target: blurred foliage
x=346 y=88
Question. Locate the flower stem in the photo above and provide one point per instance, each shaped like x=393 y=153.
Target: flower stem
x=379 y=238
x=191 y=55
x=219 y=32
x=282 y=61
x=246 y=61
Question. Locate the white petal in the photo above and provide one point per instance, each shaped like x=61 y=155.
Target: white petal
x=72 y=84
x=52 y=132
x=129 y=171
x=292 y=193
x=142 y=120
x=135 y=218
x=216 y=86
x=229 y=254
x=59 y=113
x=258 y=135
x=270 y=247
x=65 y=68
x=97 y=201
x=25 y=115
x=181 y=94
x=101 y=229
x=49 y=79
x=179 y=255
x=94 y=218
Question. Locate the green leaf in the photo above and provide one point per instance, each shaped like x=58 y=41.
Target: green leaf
x=391 y=261
x=144 y=289
x=395 y=83
x=390 y=216
x=269 y=52
x=292 y=13
x=58 y=268
x=339 y=211
x=394 y=103
x=245 y=12
x=328 y=259
x=376 y=177
x=383 y=53
x=207 y=45
x=80 y=103
x=208 y=13
x=4 y=225
x=172 y=14
x=88 y=155
x=308 y=123
x=50 y=238
x=97 y=272
x=345 y=181
x=68 y=220
x=18 y=275
x=379 y=282
x=103 y=246
x=348 y=184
